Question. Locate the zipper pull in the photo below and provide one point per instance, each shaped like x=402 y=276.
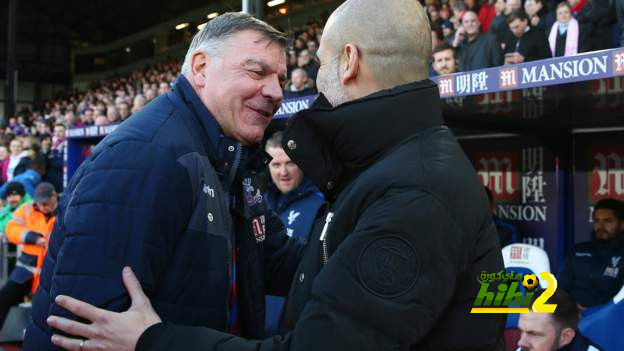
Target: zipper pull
x=328 y=219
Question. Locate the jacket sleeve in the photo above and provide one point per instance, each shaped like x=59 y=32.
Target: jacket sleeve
x=384 y=288
x=282 y=255
x=16 y=230
x=127 y=207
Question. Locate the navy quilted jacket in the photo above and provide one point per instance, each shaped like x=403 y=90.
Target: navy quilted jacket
x=167 y=194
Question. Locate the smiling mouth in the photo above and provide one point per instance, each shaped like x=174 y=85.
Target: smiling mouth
x=265 y=113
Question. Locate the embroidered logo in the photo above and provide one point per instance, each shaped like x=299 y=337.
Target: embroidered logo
x=292 y=216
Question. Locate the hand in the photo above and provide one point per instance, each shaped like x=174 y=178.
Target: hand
x=535 y=21
x=108 y=331
x=513 y=58
x=459 y=36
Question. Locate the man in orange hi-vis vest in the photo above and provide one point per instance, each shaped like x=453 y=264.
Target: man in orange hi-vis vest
x=29 y=228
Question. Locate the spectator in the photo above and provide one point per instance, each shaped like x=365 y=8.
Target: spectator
x=310 y=66
x=4 y=157
x=556 y=331
x=527 y=43
x=476 y=50
x=444 y=59
x=437 y=37
x=17 y=154
x=619 y=12
x=35 y=170
x=487 y=13
x=16 y=128
x=499 y=27
x=45 y=145
x=163 y=88
x=539 y=14
x=445 y=12
x=434 y=15
x=124 y=110
x=298 y=85
x=594 y=271
x=112 y=114
x=30 y=228
x=296 y=201
x=565 y=38
x=312 y=47
x=55 y=164
x=596 y=21
x=100 y=119
x=139 y=102
x=15 y=196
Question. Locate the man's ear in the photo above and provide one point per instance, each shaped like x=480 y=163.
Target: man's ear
x=352 y=57
x=199 y=62
x=566 y=336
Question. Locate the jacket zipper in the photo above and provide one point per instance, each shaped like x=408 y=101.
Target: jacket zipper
x=229 y=201
x=323 y=238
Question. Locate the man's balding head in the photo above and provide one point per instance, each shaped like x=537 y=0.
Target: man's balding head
x=369 y=45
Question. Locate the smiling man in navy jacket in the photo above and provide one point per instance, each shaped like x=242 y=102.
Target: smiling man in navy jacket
x=173 y=193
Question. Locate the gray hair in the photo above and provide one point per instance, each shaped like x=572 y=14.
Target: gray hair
x=210 y=38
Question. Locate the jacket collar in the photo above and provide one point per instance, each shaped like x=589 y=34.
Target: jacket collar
x=334 y=144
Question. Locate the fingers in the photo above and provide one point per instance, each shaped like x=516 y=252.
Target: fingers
x=71 y=327
x=71 y=343
x=80 y=309
x=134 y=288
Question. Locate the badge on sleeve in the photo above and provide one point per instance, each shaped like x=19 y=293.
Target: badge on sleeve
x=258 y=226
x=388 y=266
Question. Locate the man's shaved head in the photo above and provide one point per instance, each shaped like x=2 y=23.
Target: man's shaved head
x=392 y=37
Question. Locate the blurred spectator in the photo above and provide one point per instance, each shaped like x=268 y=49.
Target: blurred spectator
x=112 y=114
x=45 y=145
x=163 y=88
x=527 y=44
x=594 y=271
x=100 y=120
x=556 y=331
x=17 y=128
x=16 y=155
x=15 y=196
x=124 y=110
x=499 y=24
x=310 y=66
x=298 y=85
x=476 y=50
x=458 y=12
x=312 y=47
x=448 y=31
x=30 y=228
x=437 y=37
x=444 y=59
x=30 y=178
x=434 y=14
x=619 y=11
x=471 y=5
x=487 y=13
x=139 y=102
x=512 y=6
x=55 y=164
x=564 y=38
x=596 y=21
x=539 y=14
x=4 y=156
x=445 y=12
x=296 y=201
